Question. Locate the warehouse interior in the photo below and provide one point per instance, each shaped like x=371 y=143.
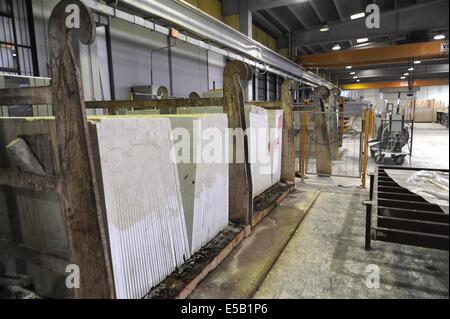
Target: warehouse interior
x=224 y=149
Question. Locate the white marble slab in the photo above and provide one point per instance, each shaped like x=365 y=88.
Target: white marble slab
x=146 y=225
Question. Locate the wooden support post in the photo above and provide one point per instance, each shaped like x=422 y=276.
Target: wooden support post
x=322 y=140
x=288 y=147
x=303 y=144
x=366 y=147
x=240 y=179
x=80 y=193
x=372 y=123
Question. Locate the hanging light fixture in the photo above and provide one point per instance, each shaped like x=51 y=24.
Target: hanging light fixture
x=357 y=16
x=336 y=47
x=324 y=28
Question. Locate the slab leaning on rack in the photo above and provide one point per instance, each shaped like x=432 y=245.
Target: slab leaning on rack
x=158 y=212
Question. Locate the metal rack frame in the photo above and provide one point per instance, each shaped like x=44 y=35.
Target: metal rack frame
x=77 y=184
x=396 y=215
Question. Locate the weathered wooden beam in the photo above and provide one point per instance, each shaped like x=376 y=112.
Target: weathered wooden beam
x=322 y=140
x=85 y=225
x=43 y=259
x=39 y=183
x=266 y=104
x=288 y=145
x=240 y=180
x=25 y=96
x=161 y=104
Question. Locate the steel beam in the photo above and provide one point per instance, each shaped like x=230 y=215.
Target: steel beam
x=388 y=54
x=267 y=24
x=431 y=15
x=396 y=78
x=317 y=12
x=245 y=18
x=392 y=84
x=279 y=20
x=398 y=65
x=298 y=17
x=429 y=70
x=270 y=4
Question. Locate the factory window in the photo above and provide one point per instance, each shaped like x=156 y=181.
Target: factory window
x=17 y=49
x=262 y=87
x=272 y=87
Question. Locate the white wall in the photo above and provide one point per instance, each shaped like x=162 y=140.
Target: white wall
x=439 y=93
x=377 y=97
x=131 y=46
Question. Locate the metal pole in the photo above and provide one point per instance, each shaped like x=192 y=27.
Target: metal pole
x=303 y=145
x=368 y=224
x=366 y=146
x=372 y=123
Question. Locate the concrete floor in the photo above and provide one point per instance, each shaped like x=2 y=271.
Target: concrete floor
x=430 y=147
x=325 y=258
x=430 y=142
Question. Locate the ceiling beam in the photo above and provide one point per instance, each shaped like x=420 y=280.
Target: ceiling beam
x=366 y=74
x=279 y=20
x=388 y=54
x=392 y=84
x=230 y=7
x=298 y=17
x=267 y=24
x=317 y=12
x=394 y=78
x=425 y=65
x=338 y=9
x=270 y=4
x=431 y=15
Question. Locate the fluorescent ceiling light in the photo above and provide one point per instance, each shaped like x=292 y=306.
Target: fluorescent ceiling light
x=357 y=16
x=439 y=37
x=406 y=73
x=355 y=77
x=411 y=69
x=348 y=67
x=336 y=47
x=358 y=80
x=402 y=78
x=352 y=73
x=417 y=62
x=324 y=28
x=362 y=40
x=362 y=44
